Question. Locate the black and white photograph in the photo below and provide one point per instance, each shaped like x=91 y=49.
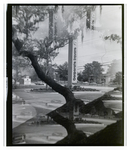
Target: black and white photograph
x=65 y=75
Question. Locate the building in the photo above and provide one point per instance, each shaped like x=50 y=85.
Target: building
x=25 y=80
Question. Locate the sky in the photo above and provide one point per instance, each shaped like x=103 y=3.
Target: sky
x=94 y=47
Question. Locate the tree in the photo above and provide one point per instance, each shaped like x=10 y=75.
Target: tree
x=118 y=78
x=62 y=71
x=74 y=135
x=80 y=76
x=114 y=37
x=114 y=67
x=92 y=72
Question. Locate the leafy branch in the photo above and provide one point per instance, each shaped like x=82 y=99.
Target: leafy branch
x=114 y=37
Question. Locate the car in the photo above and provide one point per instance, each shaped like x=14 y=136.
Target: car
x=86 y=82
x=76 y=87
x=93 y=83
x=39 y=83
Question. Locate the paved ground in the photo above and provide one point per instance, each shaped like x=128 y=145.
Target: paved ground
x=42 y=133
x=22 y=113
x=53 y=133
x=42 y=102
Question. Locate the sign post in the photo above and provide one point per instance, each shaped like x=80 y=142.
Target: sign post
x=72 y=62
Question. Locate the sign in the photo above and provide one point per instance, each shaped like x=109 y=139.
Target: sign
x=74 y=62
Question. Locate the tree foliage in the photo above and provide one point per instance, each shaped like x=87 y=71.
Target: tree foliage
x=80 y=76
x=91 y=70
x=118 y=78
x=62 y=71
x=114 y=67
x=25 y=18
x=114 y=37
